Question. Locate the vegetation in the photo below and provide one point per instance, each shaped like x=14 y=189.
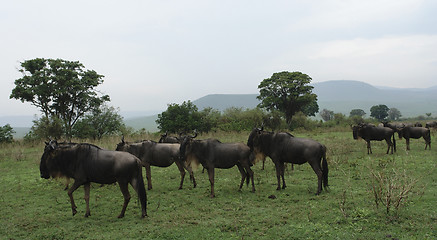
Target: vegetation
x=100 y=122
x=35 y=208
x=6 y=134
x=63 y=90
x=289 y=93
x=379 y=112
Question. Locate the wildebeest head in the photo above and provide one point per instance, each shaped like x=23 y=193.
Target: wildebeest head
x=186 y=144
x=168 y=139
x=253 y=138
x=45 y=164
x=122 y=146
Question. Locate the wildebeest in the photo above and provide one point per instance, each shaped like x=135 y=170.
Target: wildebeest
x=86 y=163
x=416 y=133
x=211 y=153
x=156 y=154
x=432 y=124
x=283 y=147
x=165 y=138
x=370 y=133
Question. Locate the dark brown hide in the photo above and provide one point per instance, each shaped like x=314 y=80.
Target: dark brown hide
x=212 y=154
x=86 y=163
x=284 y=147
x=157 y=154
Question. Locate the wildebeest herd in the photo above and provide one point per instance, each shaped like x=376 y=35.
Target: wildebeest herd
x=86 y=163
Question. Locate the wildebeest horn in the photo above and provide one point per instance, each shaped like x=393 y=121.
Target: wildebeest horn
x=195 y=134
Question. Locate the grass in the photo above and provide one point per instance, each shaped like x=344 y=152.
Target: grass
x=35 y=208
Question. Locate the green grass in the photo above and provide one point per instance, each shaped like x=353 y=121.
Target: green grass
x=35 y=208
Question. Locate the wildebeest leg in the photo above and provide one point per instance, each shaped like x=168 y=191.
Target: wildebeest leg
x=86 y=186
x=243 y=175
x=182 y=171
x=389 y=145
x=281 y=164
x=369 y=149
x=249 y=175
x=408 y=143
x=148 y=176
x=278 y=174
x=315 y=164
x=190 y=171
x=211 y=180
x=264 y=161
x=73 y=188
x=124 y=189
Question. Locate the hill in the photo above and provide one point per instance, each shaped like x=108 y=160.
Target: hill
x=340 y=96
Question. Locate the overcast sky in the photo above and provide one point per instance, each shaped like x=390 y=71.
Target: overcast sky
x=153 y=53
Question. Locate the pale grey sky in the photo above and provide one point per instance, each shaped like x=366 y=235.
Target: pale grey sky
x=153 y=53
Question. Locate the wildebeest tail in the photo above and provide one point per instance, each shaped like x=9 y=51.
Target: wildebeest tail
x=325 y=168
x=394 y=142
x=141 y=189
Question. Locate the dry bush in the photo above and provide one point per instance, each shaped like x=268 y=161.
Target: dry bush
x=391 y=188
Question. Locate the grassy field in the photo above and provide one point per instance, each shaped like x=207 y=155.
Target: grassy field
x=35 y=208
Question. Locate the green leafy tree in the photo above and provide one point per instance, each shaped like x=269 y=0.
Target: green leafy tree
x=379 y=112
x=6 y=134
x=46 y=128
x=357 y=112
x=180 y=118
x=100 y=122
x=394 y=114
x=288 y=92
x=60 y=88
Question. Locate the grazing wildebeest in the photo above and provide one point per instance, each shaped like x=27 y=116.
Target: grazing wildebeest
x=369 y=133
x=418 y=124
x=211 y=153
x=432 y=124
x=168 y=139
x=156 y=154
x=283 y=147
x=416 y=133
x=86 y=163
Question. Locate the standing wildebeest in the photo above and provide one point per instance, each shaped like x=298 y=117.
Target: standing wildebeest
x=86 y=163
x=283 y=147
x=168 y=139
x=416 y=133
x=156 y=154
x=211 y=153
x=369 y=133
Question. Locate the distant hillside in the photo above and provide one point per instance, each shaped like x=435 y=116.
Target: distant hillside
x=343 y=96
x=339 y=96
x=224 y=101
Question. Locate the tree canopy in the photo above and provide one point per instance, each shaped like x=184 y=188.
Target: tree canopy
x=288 y=92
x=6 y=133
x=59 y=88
x=379 y=112
x=179 y=118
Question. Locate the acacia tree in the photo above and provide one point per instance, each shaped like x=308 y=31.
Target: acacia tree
x=60 y=88
x=288 y=92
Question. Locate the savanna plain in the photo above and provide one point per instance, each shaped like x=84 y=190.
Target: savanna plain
x=376 y=196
